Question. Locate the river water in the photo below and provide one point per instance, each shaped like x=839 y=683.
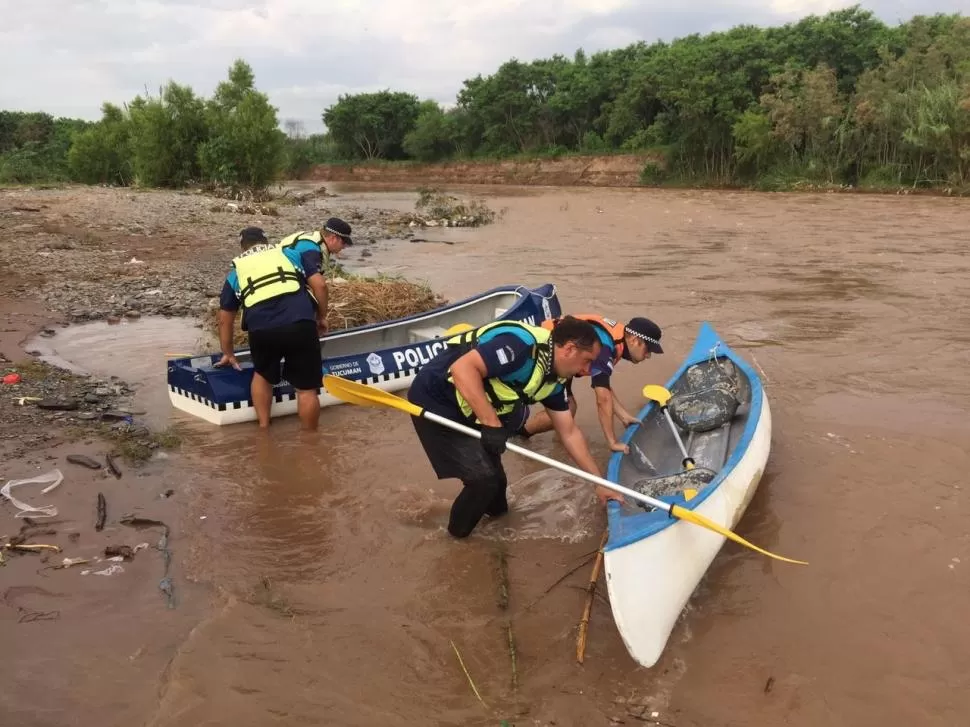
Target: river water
x=337 y=598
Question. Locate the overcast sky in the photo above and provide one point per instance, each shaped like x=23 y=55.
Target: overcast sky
x=67 y=56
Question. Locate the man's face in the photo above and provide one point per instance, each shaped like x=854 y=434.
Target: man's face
x=637 y=349
x=335 y=243
x=571 y=360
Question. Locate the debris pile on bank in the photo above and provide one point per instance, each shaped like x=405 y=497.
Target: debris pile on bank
x=356 y=301
x=434 y=208
x=245 y=208
x=295 y=197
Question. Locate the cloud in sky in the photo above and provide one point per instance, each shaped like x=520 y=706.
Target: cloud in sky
x=67 y=56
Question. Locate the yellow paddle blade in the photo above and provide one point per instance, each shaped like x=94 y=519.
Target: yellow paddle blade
x=353 y=392
x=458 y=328
x=656 y=393
x=698 y=519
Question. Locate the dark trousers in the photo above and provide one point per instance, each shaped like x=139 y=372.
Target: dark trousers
x=457 y=455
x=477 y=498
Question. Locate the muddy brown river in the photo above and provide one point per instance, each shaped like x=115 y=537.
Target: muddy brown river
x=323 y=589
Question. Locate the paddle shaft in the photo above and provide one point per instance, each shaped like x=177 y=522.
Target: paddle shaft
x=661 y=397
x=688 y=462
x=575 y=471
x=365 y=395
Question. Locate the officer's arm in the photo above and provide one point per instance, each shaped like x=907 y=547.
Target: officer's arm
x=228 y=307
x=318 y=286
x=604 y=408
x=469 y=373
x=575 y=443
x=621 y=413
x=227 y=320
x=311 y=260
x=573 y=440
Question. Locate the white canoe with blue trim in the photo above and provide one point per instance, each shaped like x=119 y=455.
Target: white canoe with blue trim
x=653 y=562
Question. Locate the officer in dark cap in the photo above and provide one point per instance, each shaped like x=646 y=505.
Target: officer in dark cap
x=327 y=241
x=337 y=234
x=633 y=341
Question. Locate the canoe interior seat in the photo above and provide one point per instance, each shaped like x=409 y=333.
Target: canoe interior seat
x=669 y=485
x=416 y=335
x=709 y=400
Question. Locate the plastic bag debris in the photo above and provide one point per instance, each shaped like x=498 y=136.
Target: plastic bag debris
x=52 y=479
x=109 y=571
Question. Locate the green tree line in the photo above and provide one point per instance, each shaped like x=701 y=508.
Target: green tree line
x=836 y=99
x=231 y=139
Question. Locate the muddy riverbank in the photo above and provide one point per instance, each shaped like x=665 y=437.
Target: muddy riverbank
x=148 y=252
x=317 y=585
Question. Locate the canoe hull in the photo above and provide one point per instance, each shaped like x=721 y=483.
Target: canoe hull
x=653 y=563
x=387 y=355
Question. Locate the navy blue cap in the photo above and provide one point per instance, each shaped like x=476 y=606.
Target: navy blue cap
x=252 y=234
x=341 y=229
x=647 y=331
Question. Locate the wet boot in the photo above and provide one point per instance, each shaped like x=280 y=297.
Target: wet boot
x=499 y=505
x=474 y=500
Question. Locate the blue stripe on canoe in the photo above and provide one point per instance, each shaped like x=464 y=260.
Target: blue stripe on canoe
x=627 y=529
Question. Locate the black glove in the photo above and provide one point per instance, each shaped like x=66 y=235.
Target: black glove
x=494 y=439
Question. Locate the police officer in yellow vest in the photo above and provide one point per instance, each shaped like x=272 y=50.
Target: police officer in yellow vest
x=328 y=241
x=278 y=290
x=487 y=378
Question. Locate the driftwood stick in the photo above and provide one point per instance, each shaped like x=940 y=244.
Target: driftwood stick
x=467 y=675
x=587 y=609
x=504 y=590
x=515 y=671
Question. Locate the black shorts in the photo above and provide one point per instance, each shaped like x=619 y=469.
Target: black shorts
x=297 y=345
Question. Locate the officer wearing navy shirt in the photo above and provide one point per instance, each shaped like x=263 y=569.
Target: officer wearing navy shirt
x=487 y=378
x=278 y=289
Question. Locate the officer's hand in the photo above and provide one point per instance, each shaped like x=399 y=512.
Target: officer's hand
x=494 y=439
x=604 y=494
x=227 y=360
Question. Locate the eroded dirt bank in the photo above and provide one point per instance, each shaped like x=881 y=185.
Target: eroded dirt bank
x=621 y=170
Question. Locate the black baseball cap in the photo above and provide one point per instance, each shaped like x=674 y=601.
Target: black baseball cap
x=252 y=234
x=339 y=228
x=646 y=330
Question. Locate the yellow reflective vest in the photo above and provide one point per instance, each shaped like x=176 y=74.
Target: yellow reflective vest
x=315 y=237
x=532 y=382
x=264 y=272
